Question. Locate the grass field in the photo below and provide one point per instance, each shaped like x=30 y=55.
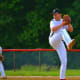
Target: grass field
x=33 y=73
x=42 y=73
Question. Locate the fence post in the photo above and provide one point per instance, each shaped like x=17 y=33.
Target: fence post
x=14 y=64
x=39 y=61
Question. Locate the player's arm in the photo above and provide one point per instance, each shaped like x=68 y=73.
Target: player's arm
x=67 y=19
x=56 y=28
x=70 y=28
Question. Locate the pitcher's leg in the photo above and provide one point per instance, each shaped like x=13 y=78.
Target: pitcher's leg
x=55 y=40
x=2 y=70
x=67 y=39
x=61 y=50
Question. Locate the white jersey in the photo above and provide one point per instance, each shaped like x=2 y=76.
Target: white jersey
x=53 y=23
x=55 y=40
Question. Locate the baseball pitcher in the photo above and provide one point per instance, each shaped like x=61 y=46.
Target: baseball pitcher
x=58 y=34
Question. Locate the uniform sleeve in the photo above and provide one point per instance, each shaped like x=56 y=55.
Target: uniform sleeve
x=51 y=24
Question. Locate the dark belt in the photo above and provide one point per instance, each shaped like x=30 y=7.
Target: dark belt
x=52 y=34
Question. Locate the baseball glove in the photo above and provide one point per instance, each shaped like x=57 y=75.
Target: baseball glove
x=1 y=58
x=66 y=19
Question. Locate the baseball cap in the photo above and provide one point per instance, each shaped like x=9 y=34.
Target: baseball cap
x=56 y=11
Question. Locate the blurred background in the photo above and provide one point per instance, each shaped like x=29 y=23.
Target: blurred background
x=24 y=24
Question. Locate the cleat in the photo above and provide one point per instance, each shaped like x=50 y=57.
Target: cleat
x=70 y=45
x=4 y=77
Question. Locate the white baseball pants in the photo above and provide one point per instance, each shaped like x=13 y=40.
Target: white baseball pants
x=57 y=43
x=66 y=37
x=2 y=70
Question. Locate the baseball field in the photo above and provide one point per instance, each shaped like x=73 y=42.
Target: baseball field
x=42 y=75
x=40 y=78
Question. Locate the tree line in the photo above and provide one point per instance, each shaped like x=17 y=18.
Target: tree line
x=24 y=24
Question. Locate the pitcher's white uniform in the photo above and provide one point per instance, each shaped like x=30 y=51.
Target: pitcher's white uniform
x=55 y=40
x=65 y=36
x=1 y=65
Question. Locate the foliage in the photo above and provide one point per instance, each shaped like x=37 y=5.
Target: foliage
x=25 y=24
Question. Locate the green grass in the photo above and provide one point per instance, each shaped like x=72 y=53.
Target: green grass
x=34 y=71
x=42 y=73
x=73 y=72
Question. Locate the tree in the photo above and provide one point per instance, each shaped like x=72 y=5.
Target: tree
x=12 y=21
x=36 y=33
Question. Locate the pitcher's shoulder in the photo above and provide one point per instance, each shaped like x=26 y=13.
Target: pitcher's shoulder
x=52 y=21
